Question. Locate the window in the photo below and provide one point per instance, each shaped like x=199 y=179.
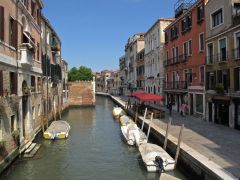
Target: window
x=222 y=50
x=33 y=113
x=174 y=32
x=176 y=53
x=210 y=53
x=217 y=18
x=13 y=83
x=202 y=74
x=1 y=23
x=12 y=123
x=173 y=55
x=11 y=31
x=201 y=42
x=237 y=79
x=166 y=37
x=190 y=75
x=33 y=84
x=39 y=84
x=200 y=13
x=237 y=45
x=185 y=51
x=38 y=52
x=199 y=103
x=190 y=48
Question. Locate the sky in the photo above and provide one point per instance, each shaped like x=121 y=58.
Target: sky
x=94 y=32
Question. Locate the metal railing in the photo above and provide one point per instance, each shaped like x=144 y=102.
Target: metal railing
x=176 y=85
x=236 y=53
x=217 y=58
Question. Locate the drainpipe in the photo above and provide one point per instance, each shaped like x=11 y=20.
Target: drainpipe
x=46 y=67
x=17 y=94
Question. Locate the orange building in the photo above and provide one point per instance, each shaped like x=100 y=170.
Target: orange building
x=185 y=57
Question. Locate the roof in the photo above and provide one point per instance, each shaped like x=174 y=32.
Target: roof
x=50 y=26
x=180 y=17
x=160 y=19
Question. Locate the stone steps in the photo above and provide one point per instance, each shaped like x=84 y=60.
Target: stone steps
x=33 y=151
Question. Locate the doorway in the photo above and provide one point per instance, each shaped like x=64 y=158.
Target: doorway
x=222 y=114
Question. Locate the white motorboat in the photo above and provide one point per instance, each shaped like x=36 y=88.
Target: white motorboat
x=128 y=132
x=156 y=158
x=133 y=134
x=57 y=130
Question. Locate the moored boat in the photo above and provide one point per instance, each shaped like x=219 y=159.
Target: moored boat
x=124 y=120
x=156 y=158
x=118 y=112
x=57 y=130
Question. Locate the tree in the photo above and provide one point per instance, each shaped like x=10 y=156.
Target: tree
x=82 y=74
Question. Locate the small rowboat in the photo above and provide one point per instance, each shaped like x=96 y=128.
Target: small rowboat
x=118 y=112
x=57 y=130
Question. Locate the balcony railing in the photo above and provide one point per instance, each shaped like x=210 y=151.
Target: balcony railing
x=177 y=85
x=176 y=60
x=217 y=58
x=236 y=19
x=236 y=53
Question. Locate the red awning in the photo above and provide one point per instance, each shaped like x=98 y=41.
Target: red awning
x=135 y=94
x=148 y=97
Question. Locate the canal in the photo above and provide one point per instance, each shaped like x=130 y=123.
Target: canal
x=95 y=150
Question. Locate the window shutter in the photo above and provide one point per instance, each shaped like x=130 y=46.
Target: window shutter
x=236 y=79
x=1 y=23
x=1 y=83
x=15 y=34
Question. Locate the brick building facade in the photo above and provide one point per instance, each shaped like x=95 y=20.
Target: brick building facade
x=185 y=58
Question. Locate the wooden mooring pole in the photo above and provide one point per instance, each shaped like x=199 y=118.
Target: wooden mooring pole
x=179 y=143
x=136 y=114
x=166 y=135
x=144 y=118
x=149 y=126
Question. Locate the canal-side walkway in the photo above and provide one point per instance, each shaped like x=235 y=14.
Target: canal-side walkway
x=214 y=146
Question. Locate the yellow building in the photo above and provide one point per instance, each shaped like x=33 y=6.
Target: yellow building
x=223 y=62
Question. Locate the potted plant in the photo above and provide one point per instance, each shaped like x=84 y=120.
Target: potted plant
x=219 y=88
x=16 y=136
x=2 y=144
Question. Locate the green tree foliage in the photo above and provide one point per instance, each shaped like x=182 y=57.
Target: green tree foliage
x=82 y=74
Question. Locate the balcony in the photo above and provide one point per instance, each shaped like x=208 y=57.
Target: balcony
x=177 y=85
x=217 y=58
x=236 y=54
x=182 y=6
x=176 y=60
x=236 y=19
x=27 y=53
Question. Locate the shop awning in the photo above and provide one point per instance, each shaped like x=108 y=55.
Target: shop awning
x=135 y=94
x=146 y=97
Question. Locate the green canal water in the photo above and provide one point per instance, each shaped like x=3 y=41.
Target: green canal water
x=95 y=150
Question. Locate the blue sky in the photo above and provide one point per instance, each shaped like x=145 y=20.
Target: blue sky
x=94 y=32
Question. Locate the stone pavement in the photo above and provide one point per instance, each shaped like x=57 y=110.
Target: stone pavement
x=218 y=143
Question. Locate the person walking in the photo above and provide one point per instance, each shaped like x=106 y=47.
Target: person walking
x=169 y=106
